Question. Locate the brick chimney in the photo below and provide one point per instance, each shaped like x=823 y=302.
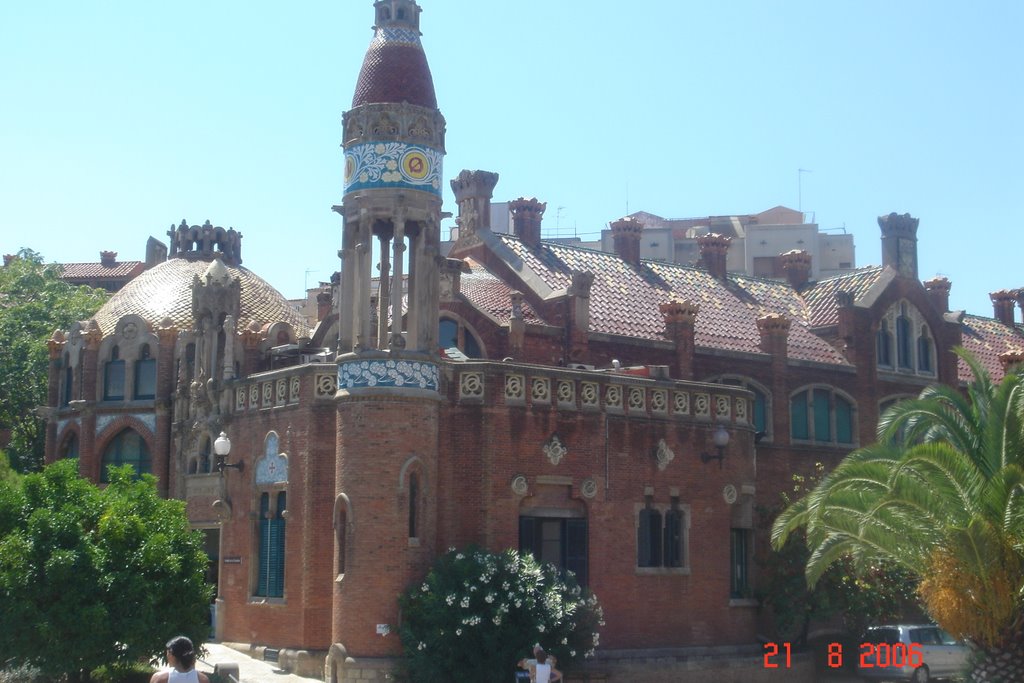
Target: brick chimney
x=1003 y=302
x=626 y=235
x=797 y=264
x=323 y=304
x=938 y=291
x=680 y=328
x=1011 y=360
x=108 y=258
x=579 y=302
x=774 y=331
x=899 y=243
x=713 y=250
x=473 y=191
x=526 y=219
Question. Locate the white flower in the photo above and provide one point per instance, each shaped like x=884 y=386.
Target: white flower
x=540 y=628
x=565 y=641
x=465 y=602
x=489 y=599
x=458 y=631
x=421 y=646
x=426 y=588
x=450 y=599
x=497 y=620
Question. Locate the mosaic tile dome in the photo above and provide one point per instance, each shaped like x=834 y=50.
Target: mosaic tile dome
x=395 y=69
x=165 y=291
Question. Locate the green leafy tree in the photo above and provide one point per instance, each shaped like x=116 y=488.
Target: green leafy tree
x=942 y=495
x=34 y=302
x=881 y=592
x=91 y=576
x=477 y=613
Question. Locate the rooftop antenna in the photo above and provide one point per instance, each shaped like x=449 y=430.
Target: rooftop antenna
x=800 y=188
x=305 y=283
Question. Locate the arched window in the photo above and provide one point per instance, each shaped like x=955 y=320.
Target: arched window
x=453 y=335
x=884 y=344
x=113 y=377
x=414 y=500
x=145 y=374
x=661 y=535
x=648 y=537
x=924 y=351
x=270 y=574
x=70 y=447
x=904 y=327
x=904 y=340
x=821 y=415
x=127 y=448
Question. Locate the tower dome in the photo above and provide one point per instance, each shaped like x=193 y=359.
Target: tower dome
x=395 y=68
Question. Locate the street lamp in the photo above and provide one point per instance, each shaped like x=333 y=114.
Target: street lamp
x=222 y=447
x=721 y=439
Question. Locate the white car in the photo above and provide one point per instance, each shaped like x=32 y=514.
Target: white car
x=916 y=653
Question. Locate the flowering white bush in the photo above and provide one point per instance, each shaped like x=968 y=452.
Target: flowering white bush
x=478 y=613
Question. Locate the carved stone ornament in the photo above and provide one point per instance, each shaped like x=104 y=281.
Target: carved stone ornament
x=588 y=488
x=520 y=486
x=663 y=455
x=555 y=450
x=729 y=494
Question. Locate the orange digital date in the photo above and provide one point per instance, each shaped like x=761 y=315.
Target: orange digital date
x=872 y=655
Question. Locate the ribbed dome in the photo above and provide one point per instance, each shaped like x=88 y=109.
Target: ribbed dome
x=395 y=70
x=165 y=291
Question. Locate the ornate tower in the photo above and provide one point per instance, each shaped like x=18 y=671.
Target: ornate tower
x=388 y=401
x=394 y=147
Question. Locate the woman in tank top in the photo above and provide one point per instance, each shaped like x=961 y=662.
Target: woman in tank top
x=543 y=671
x=182 y=658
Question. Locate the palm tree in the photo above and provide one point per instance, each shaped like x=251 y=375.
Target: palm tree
x=942 y=494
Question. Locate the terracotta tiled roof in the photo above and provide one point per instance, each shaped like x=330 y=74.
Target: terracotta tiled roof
x=166 y=291
x=821 y=296
x=492 y=295
x=624 y=300
x=95 y=271
x=395 y=70
x=985 y=339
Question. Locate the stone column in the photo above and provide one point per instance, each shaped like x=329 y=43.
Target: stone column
x=383 y=293
x=167 y=335
x=517 y=327
x=397 y=285
x=89 y=459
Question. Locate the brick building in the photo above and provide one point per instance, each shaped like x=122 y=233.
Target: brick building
x=616 y=416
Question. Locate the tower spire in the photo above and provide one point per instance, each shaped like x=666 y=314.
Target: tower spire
x=394 y=147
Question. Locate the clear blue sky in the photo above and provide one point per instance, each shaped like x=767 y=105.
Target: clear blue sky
x=118 y=119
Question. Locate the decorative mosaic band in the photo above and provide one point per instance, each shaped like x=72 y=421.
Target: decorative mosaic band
x=384 y=372
x=396 y=35
x=379 y=165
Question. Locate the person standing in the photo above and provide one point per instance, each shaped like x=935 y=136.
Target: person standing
x=544 y=670
x=181 y=656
